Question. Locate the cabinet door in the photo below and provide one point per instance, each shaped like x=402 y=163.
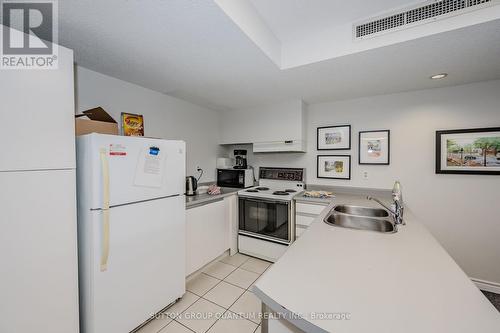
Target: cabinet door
x=299 y=230
x=304 y=221
x=38 y=117
x=277 y=122
x=206 y=235
x=38 y=253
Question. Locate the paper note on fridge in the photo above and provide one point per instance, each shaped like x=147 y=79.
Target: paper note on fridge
x=150 y=168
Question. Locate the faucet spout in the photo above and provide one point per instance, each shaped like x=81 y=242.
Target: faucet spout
x=381 y=204
x=397 y=197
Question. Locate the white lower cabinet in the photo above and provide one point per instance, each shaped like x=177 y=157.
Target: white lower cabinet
x=305 y=214
x=211 y=229
x=310 y=208
x=299 y=230
x=304 y=220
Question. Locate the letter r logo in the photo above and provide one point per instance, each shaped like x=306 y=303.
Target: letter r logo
x=35 y=20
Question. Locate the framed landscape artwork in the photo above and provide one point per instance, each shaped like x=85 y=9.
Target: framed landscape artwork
x=334 y=166
x=374 y=147
x=334 y=137
x=468 y=151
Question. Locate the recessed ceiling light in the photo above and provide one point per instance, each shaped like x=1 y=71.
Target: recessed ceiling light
x=439 y=76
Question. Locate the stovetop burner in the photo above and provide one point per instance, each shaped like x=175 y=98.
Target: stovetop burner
x=262 y=188
x=290 y=191
x=280 y=193
x=252 y=190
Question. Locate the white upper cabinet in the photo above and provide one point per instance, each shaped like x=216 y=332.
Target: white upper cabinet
x=279 y=127
x=37 y=111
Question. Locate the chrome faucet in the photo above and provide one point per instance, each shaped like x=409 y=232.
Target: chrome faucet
x=397 y=208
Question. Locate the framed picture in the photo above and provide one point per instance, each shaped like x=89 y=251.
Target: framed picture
x=468 y=151
x=334 y=166
x=334 y=137
x=132 y=124
x=374 y=147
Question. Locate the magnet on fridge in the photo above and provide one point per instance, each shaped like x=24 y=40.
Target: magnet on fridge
x=154 y=151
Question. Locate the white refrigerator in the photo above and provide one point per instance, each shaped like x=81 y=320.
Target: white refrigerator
x=38 y=245
x=131 y=229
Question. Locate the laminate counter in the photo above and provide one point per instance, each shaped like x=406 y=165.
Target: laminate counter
x=205 y=198
x=341 y=280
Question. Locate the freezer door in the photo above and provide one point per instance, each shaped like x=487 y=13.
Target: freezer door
x=138 y=169
x=38 y=254
x=145 y=265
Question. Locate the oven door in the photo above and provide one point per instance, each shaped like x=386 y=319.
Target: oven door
x=266 y=219
x=230 y=178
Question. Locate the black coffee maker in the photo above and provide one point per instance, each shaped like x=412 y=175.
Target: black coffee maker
x=240 y=156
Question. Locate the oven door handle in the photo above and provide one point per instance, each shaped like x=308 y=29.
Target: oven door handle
x=266 y=200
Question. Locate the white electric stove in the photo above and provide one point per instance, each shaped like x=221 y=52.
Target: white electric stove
x=266 y=213
x=275 y=193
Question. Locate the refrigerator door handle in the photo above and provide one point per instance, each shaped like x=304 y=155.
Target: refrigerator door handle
x=105 y=210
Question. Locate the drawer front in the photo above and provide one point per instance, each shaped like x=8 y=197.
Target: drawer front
x=299 y=231
x=309 y=209
x=304 y=220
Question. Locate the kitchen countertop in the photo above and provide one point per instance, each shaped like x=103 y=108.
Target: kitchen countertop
x=384 y=283
x=340 y=190
x=205 y=198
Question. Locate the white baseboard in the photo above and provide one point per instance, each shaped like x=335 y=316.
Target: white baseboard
x=492 y=287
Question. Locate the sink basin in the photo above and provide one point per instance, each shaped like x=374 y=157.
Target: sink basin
x=361 y=211
x=360 y=222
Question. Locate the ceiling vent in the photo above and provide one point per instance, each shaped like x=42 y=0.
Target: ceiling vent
x=416 y=15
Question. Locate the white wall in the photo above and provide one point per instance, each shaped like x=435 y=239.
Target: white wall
x=462 y=211
x=164 y=116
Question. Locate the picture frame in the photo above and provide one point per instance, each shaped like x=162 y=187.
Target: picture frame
x=374 y=147
x=473 y=151
x=132 y=124
x=333 y=167
x=333 y=137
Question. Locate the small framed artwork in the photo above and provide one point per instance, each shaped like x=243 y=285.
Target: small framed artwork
x=468 y=151
x=334 y=137
x=132 y=124
x=374 y=147
x=334 y=166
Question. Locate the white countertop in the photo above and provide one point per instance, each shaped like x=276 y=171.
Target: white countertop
x=402 y=282
x=205 y=198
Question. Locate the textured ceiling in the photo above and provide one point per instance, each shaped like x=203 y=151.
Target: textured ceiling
x=192 y=50
x=297 y=19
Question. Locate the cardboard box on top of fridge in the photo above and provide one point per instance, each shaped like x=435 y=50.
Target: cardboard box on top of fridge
x=95 y=121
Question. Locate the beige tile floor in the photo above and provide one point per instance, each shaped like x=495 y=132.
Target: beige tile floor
x=218 y=300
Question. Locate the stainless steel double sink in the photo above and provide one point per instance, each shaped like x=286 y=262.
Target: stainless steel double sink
x=361 y=218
